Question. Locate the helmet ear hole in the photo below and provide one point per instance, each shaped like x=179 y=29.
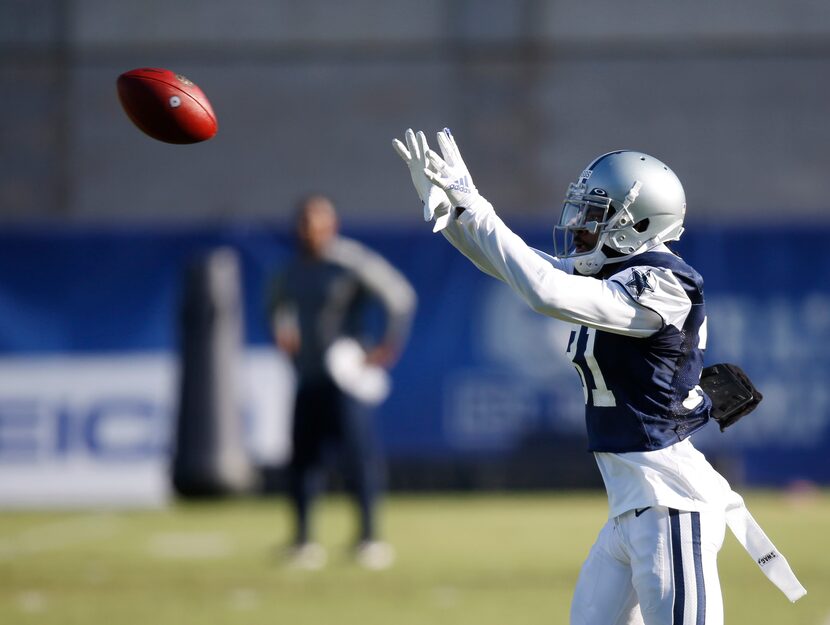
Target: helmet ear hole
x=642 y=225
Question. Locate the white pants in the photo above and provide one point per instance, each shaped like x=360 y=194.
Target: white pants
x=653 y=567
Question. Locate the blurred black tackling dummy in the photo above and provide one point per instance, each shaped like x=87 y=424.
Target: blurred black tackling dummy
x=210 y=457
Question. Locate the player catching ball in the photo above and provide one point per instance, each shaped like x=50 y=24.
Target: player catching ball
x=638 y=341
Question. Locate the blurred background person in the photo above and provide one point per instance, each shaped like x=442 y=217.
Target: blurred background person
x=318 y=312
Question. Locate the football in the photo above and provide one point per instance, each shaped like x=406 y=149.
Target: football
x=166 y=106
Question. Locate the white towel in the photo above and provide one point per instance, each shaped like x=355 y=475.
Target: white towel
x=346 y=363
x=773 y=564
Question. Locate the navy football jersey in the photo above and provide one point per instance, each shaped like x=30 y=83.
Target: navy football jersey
x=639 y=351
x=641 y=394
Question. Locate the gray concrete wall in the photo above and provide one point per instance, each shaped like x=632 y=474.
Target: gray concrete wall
x=733 y=95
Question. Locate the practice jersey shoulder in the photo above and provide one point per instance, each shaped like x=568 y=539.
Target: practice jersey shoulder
x=641 y=392
x=660 y=289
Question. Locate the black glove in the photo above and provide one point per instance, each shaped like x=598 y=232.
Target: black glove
x=733 y=394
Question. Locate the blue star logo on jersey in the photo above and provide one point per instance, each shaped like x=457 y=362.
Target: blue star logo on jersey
x=640 y=282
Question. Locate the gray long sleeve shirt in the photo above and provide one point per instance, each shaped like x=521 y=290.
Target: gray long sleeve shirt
x=326 y=298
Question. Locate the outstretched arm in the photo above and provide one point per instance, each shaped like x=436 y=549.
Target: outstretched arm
x=436 y=203
x=536 y=278
x=459 y=237
x=550 y=291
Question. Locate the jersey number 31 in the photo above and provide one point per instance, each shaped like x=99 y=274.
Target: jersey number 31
x=581 y=353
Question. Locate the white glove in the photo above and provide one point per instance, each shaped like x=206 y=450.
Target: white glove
x=450 y=174
x=414 y=154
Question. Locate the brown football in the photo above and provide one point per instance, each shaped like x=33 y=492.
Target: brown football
x=167 y=106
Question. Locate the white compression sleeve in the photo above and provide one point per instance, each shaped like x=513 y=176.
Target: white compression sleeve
x=461 y=240
x=495 y=249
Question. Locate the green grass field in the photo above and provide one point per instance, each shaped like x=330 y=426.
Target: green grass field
x=462 y=559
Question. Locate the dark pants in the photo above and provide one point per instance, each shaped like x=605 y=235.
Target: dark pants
x=328 y=421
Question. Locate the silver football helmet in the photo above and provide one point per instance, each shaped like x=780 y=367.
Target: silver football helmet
x=632 y=201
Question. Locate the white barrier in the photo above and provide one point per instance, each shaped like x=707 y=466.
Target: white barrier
x=95 y=430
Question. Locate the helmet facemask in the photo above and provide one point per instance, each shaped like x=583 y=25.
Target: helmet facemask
x=597 y=214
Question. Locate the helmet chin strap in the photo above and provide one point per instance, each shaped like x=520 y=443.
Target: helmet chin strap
x=590 y=264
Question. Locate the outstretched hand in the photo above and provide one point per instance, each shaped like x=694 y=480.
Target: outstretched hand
x=450 y=173
x=414 y=154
